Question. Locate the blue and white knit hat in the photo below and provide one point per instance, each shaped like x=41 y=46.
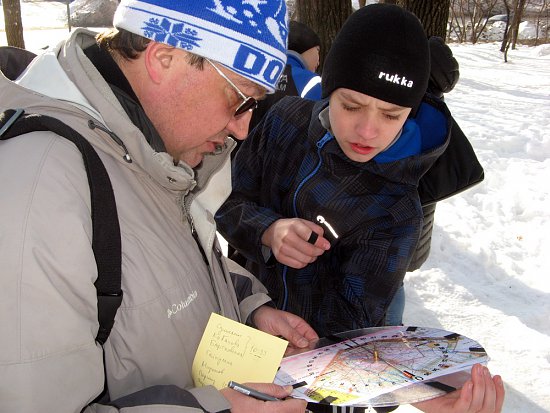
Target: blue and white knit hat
x=248 y=37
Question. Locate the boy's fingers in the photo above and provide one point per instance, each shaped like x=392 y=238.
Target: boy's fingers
x=313 y=237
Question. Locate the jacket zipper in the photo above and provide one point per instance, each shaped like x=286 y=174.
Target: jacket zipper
x=195 y=235
x=320 y=144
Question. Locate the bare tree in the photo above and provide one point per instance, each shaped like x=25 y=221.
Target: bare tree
x=505 y=44
x=511 y=32
x=13 y=23
x=326 y=17
x=479 y=13
x=470 y=17
x=518 y=16
x=458 y=21
x=542 y=13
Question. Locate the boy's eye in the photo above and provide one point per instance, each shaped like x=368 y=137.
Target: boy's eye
x=391 y=117
x=350 y=108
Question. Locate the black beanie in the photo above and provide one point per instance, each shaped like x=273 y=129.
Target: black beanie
x=301 y=38
x=381 y=51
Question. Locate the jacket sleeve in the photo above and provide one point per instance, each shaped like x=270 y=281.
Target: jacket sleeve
x=50 y=361
x=243 y=218
x=251 y=293
x=166 y=399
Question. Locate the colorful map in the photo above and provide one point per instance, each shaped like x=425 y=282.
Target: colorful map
x=356 y=370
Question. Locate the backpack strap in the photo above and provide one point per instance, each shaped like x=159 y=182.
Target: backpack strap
x=106 y=244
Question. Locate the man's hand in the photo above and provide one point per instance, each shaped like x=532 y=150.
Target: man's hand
x=288 y=239
x=241 y=403
x=294 y=329
x=481 y=394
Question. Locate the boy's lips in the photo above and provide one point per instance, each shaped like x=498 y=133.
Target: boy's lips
x=360 y=149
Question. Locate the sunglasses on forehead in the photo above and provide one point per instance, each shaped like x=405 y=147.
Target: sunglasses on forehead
x=248 y=103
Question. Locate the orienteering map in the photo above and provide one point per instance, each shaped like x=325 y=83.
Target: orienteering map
x=355 y=370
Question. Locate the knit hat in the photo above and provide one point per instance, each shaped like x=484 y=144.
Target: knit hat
x=248 y=38
x=381 y=51
x=301 y=38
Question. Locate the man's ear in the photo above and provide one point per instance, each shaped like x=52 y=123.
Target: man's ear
x=158 y=59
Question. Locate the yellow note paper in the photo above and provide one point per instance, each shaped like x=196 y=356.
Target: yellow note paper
x=230 y=350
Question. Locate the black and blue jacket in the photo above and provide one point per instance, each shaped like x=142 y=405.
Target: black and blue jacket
x=290 y=166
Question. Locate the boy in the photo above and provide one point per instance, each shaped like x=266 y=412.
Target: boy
x=342 y=174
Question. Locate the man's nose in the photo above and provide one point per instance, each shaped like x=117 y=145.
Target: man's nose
x=238 y=126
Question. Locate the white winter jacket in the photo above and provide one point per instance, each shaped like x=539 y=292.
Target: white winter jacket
x=49 y=360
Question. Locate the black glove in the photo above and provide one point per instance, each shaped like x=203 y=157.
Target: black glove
x=444 y=71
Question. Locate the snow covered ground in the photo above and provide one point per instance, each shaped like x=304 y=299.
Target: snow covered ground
x=488 y=276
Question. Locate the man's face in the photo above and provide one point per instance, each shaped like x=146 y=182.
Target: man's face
x=311 y=58
x=362 y=125
x=193 y=109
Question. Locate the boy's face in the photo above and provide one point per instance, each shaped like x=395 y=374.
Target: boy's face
x=362 y=125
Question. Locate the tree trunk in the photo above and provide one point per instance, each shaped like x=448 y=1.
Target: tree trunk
x=13 y=23
x=518 y=16
x=506 y=34
x=433 y=14
x=325 y=17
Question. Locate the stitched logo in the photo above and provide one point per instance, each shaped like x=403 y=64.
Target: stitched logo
x=395 y=78
x=177 y=307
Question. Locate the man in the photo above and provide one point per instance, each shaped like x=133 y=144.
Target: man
x=157 y=99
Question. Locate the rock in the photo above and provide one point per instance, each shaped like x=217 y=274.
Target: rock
x=93 y=13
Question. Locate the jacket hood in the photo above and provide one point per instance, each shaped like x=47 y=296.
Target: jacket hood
x=295 y=59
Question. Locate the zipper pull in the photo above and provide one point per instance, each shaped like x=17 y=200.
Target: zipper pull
x=323 y=221
x=324 y=140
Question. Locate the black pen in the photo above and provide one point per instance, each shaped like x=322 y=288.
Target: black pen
x=251 y=392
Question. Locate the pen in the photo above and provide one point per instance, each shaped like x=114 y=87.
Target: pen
x=251 y=392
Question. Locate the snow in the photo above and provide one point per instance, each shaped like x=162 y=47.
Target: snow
x=487 y=276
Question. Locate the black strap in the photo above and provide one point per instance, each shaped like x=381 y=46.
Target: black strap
x=106 y=243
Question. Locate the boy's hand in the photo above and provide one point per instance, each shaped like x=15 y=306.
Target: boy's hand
x=293 y=242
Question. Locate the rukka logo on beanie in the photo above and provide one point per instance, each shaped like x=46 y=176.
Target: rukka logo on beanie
x=248 y=38
x=381 y=51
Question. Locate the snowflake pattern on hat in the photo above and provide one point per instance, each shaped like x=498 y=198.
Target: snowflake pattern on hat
x=173 y=34
x=250 y=17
